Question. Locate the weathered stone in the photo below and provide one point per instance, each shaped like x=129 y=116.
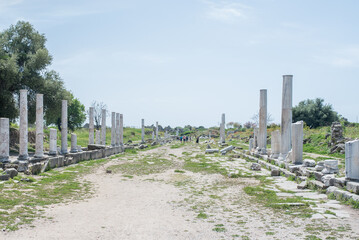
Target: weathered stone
x=98 y=137
x=212 y=150
x=73 y=143
x=208 y=146
x=11 y=171
x=262 y=136
x=64 y=128
x=103 y=127
x=35 y=168
x=286 y=119
x=227 y=149
x=302 y=185
x=4 y=177
x=154 y=143
x=4 y=140
x=336 y=130
x=113 y=129
x=328 y=180
x=91 y=126
x=121 y=129
x=275 y=144
x=222 y=129
x=250 y=147
x=309 y=163
x=330 y=167
x=142 y=146
x=256 y=167
x=275 y=172
x=353 y=187
x=39 y=146
x=23 y=148
x=142 y=130
x=340 y=182
x=23 y=166
x=255 y=138
x=297 y=142
x=318 y=176
x=293 y=168
x=95 y=147
x=317 y=184
x=117 y=129
x=352 y=160
x=53 y=142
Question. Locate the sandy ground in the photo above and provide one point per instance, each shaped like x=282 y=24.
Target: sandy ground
x=157 y=207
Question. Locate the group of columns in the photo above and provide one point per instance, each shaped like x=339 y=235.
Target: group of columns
x=290 y=136
x=23 y=130
x=116 y=129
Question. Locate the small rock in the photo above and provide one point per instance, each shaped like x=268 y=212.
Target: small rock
x=328 y=180
x=11 y=171
x=208 y=146
x=302 y=185
x=330 y=167
x=108 y=171
x=353 y=187
x=256 y=167
x=4 y=177
x=275 y=172
x=309 y=163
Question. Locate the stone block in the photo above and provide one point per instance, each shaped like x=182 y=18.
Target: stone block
x=330 y=167
x=302 y=185
x=340 y=182
x=309 y=163
x=95 y=146
x=275 y=172
x=353 y=187
x=328 y=180
x=11 y=171
x=318 y=176
x=293 y=168
x=4 y=177
x=212 y=150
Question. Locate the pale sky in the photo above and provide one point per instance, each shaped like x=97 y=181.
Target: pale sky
x=188 y=61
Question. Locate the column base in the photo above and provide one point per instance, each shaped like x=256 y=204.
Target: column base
x=23 y=157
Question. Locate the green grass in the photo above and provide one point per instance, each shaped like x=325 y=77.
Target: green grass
x=270 y=199
x=202 y=215
x=23 y=201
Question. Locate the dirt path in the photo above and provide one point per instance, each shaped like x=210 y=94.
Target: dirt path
x=173 y=204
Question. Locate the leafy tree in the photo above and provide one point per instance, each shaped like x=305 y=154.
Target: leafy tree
x=315 y=113
x=76 y=113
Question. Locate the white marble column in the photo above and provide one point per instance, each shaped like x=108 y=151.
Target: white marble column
x=64 y=128
x=275 y=144
x=4 y=140
x=297 y=142
x=91 y=126
x=143 y=130
x=74 y=148
x=262 y=134
x=23 y=152
x=98 y=137
x=223 y=129
x=121 y=129
x=250 y=147
x=53 y=141
x=39 y=145
x=255 y=138
x=156 y=131
x=285 y=127
x=352 y=160
x=103 y=127
x=113 y=129
x=117 y=129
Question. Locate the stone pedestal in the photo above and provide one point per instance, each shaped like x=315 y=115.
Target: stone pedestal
x=64 y=128
x=250 y=147
x=255 y=138
x=73 y=143
x=297 y=143
x=113 y=129
x=275 y=144
x=91 y=126
x=53 y=141
x=286 y=121
x=117 y=129
x=352 y=160
x=121 y=129
x=23 y=152
x=223 y=129
x=98 y=137
x=143 y=130
x=262 y=135
x=39 y=146
x=4 y=140
x=156 y=131
x=103 y=127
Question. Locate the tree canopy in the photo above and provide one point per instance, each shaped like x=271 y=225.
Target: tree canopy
x=315 y=113
x=24 y=62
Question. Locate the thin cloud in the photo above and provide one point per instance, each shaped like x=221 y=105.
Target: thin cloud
x=226 y=11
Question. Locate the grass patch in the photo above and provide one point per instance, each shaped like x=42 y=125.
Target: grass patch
x=202 y=215
x=179 y=171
